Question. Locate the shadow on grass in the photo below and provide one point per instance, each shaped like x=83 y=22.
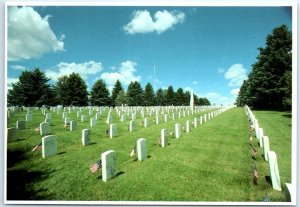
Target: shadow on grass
x=19 y=185
x=20 y=181
x=60 y=153
x=287 y=115
x=93 y=143
x=268 y=179
x=117 y=175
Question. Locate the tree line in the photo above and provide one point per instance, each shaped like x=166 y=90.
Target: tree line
x=33 y=89
x=269 y=84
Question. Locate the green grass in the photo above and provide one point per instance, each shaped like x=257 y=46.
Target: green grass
x=211 y=163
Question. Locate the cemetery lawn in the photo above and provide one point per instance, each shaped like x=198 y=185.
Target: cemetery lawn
x=211 y=163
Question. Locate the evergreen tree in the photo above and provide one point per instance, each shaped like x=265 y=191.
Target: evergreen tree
x=99 y=94
x=170 y=96
x=32 y=89
x=149 y=95
x=117 y=88
x=160 y=97
x=187 y=98
x=180 y=99
x=269 y=83
x=72 y=90
x=121 y=99
x=135 y=94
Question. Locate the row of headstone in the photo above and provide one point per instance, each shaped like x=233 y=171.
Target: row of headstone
x=269 y=155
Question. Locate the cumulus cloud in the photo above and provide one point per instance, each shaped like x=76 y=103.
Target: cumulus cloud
x=18 y=67
x=84 y=69
x=235 y=91
x=236 y=74
x=142 y=22
x=125 y=74
x=217 y=98
x=188 y=89
x=30 y=35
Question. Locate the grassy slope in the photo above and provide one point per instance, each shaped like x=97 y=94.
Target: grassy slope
x=211 y=163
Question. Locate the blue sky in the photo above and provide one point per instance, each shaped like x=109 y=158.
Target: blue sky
x=207 y=49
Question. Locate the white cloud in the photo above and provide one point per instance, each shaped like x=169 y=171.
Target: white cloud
x=30 y=35
x=125 y=74
x=18 y=67
x=84 y=69
x=218 y=99
x=142 y=21
x=235 y=91
x=195 y=82
x=236 y=74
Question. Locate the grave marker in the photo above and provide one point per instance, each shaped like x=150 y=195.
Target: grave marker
x=73 y=125
x=49 y=146
x=45 y=128
x=28 y=117
x=108 y=165
x=112 y=130
x=12 y=134
x=187 y=126
x=131 y=126
x=163 y=138
x=266 y=147
x=86 y=137
x=20 y=125
x=274 y=171
x=141 y=149
x=83 y=118
x=177 y=130
x=92 y=122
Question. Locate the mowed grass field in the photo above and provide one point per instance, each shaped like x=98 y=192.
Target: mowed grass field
x=211 y=163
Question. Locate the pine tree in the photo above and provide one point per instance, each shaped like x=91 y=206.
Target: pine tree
x=99 y=94
x=135 y=94
x=149 y=95
x=121 y=99
x=72 y=90
x=170 y=96
x=269 y=83
x=180 y=99
x=32 y=89
x=117 y=88
x=160 y=97
x=187 y=97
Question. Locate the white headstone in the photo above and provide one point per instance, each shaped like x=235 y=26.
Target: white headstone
x=48 y=116
x=201 y=120
x=48 y=121
x=266 y=146
x=141 y=149
x=67 y=120
x=83 y=118
x=45 y=128
x=163 y=138
x=289 y=192
x=92 y=122
x=12 y=134
x=20 y=125
x=97 y=116
x=274 y=171
x=177 y=130
x=109 y=120
x=187 y=126
x=260 y=136
x=112 y=130
x=146 y=122
x=78 y=114
x=157 y=119
x=86 y=137
x=73 y=125
x=28 y=117
x=166 y=118
x=195 y=122
x=108 y=159
x=64 y=114
x=49 y=146
x=192 y=101
x=131 y=126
